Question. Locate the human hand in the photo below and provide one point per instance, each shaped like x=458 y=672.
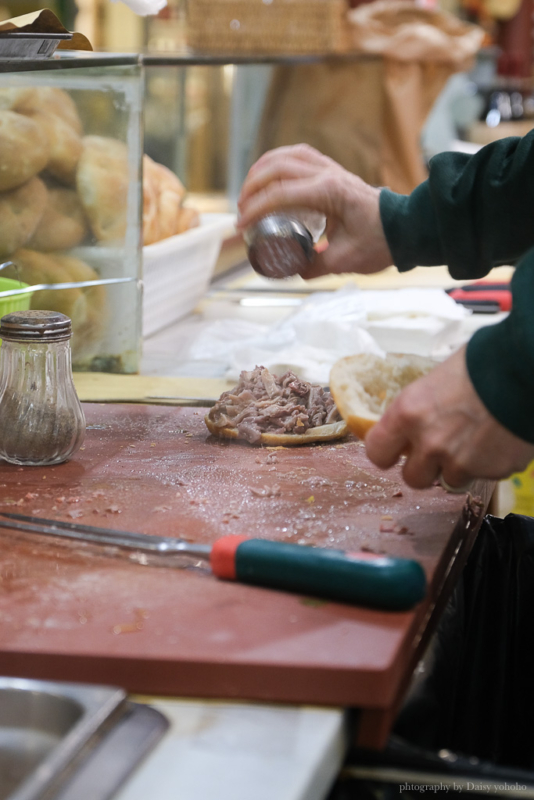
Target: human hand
x=300 y=176
x=442 y=427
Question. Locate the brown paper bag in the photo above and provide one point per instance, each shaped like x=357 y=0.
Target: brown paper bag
x=368 y=114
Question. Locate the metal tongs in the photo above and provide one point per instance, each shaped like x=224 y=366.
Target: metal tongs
x=395 y=584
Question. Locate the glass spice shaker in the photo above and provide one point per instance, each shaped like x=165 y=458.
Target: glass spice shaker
x=41 y=419
x=280 y=245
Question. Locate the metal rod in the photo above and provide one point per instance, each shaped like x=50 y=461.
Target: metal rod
x=39 y=287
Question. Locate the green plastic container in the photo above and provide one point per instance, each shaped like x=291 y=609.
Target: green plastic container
x=18 y=302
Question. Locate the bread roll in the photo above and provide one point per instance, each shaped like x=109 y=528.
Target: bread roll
x=323 y=433
x=266 y=409
x=363 y=386
x=63 y=224
x=21 y=210
x=24 y=150
x=88 y=332
x=150 y=203
x=86 y=307
x=171 y=194
x=34 y=268
x=187 y=218
x=163 y=194
x=65 y=146
x=102 y=183
x=31 y=267
x=51 y=100
x=11 y=98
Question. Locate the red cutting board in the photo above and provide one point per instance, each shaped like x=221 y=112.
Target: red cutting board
x=75 y=612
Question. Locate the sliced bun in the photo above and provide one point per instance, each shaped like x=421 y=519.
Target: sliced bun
x=322 y=433
x=276 y=410
x=363 y=386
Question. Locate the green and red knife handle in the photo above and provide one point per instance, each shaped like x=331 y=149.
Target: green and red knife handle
x=395 y=584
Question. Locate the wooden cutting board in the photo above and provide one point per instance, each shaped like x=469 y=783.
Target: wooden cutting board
x=76 y=612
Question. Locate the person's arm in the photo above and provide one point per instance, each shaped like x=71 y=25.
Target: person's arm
x=470 y=417
x=500 y=358
x=473 y=213
x=473 y=415
x=300 y=176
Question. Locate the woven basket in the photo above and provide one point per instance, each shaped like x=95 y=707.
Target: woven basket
x=268 y=26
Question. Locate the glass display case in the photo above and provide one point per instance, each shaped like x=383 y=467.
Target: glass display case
x=74 y=210
x=70 y=197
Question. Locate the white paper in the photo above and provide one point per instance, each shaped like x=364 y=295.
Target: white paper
x=327 y=327
x=426 y=322
x=331 y=325
x=410 y=302
x=144 y=7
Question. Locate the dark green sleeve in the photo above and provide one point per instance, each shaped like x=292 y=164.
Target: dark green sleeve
x=473 y=213
x=500 y=358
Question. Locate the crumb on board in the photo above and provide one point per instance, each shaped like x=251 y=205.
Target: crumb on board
x=266 y=491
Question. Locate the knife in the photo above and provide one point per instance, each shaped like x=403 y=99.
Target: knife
x=362 y=578
x=483 y=297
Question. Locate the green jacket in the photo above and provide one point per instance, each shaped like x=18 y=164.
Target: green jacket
x=474 y=213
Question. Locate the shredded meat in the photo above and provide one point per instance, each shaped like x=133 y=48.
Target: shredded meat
x=263 y=403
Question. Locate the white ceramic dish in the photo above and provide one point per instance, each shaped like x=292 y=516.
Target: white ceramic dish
x=177 y=271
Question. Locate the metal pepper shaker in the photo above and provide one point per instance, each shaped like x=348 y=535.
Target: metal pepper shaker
x=41 y=418
x=281 y=244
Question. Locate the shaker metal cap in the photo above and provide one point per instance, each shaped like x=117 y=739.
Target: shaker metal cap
x=35 y=326
x=279 y=245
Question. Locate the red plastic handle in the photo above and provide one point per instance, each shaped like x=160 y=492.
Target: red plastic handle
x=500 y=296
x=222 y=556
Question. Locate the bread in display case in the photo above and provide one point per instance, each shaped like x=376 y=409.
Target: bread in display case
x=71 y=199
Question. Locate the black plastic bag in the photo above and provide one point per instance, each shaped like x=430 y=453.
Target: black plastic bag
x=476 y=696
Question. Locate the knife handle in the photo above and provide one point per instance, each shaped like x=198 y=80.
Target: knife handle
x=394 y=584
